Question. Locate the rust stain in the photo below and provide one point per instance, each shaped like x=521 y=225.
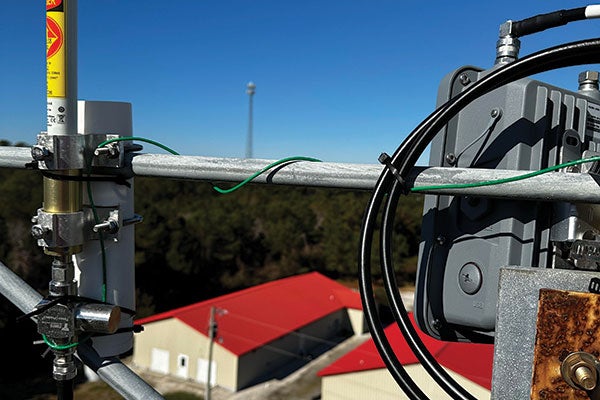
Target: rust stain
x=566 y=322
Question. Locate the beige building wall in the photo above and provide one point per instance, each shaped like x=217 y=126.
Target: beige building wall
x=357 y=319
x=379 y=384
x=178 y=338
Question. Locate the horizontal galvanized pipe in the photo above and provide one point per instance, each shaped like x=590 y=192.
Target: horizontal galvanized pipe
x=299 y=173
x=117 y=375
x=15 y=157
x=558 y=186
x=548 y=187
x=17 y=291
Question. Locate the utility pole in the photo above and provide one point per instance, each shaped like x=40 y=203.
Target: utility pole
x=212 y=332
x=250 y=90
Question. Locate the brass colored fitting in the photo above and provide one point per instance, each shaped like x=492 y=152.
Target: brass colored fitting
x=62 y=196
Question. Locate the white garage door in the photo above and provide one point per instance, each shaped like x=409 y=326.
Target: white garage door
x=203 y=371
x=159 y=361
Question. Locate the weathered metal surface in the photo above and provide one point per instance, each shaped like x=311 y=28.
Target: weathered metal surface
x=518 y=298
x=15 y=157
x=567 y=322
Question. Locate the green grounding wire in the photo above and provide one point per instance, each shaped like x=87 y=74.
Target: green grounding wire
x=168 y=149
x=93 y=206
x=506 y=180
x=262 y=171
x=55 y=346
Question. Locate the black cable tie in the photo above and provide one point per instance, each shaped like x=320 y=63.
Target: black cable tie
x=119 y=180
x=385 y=159
x=43 y=308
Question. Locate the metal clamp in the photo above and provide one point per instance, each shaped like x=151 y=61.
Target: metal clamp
x=58 y=152
x=56 y=230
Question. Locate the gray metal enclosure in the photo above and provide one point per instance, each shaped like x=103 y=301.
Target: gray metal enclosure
x=526 y=125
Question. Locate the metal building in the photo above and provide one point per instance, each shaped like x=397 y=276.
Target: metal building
x=260 y=333
x=361 y=373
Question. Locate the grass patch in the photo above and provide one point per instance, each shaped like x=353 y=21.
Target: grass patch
x=182 y=396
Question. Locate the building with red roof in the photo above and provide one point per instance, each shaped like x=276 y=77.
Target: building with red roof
x=262 y=332
x=362 y=374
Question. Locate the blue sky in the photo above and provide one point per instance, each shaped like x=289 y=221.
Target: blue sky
x=341 y=80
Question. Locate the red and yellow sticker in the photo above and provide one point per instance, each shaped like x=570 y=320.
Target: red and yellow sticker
x=55 y=49
x=50 y=4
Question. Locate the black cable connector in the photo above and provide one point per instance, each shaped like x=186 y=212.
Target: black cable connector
x=542 y=22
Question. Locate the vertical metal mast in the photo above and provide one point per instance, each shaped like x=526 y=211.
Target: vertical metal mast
x=250 y=89
x=62 y=197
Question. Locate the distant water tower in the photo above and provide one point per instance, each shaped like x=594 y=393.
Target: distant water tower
x=250 y=89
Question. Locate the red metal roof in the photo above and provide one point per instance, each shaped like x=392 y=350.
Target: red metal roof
x=253 y=317
x=473 y=361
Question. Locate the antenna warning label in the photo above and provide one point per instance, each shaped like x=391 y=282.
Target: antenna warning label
x=55 y=54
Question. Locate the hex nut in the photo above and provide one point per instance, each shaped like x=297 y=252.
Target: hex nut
x=578 y=369
x=589 y=76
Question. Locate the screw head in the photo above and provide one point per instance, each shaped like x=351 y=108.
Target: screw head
x=450 y=158
x=38 y=231
x=464 y=79
x=470 y=278
x=40 y=153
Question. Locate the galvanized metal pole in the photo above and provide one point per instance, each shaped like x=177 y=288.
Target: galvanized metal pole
x=17 y=291
x=212 y=330
x=61 y=196
x=250 y=89
x=557 y=186
x=117 y=375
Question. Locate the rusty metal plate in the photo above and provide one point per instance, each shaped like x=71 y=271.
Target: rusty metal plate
x=566 y=322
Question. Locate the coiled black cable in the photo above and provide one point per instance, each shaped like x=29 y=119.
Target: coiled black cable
x=404 y=158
